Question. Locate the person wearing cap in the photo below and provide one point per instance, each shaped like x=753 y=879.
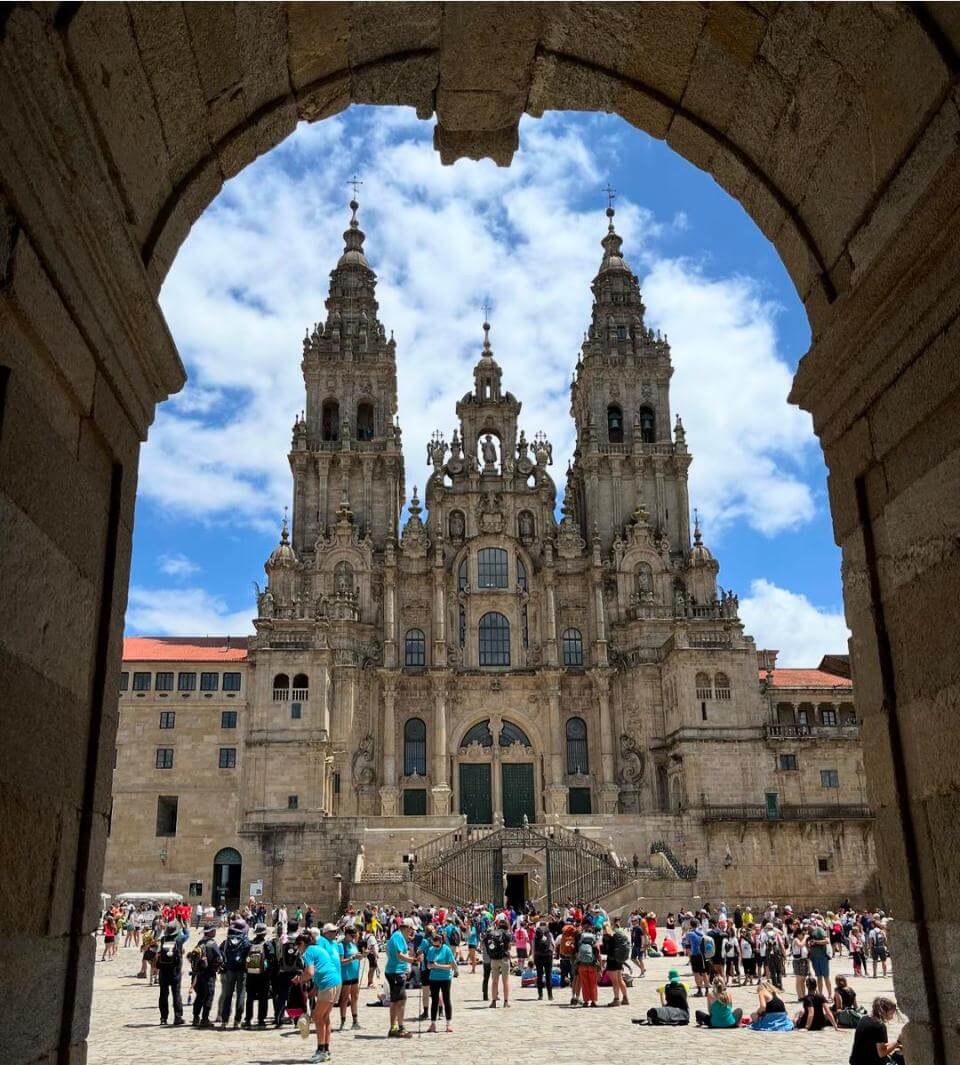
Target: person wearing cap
x=399 y=960
x=499 y=942
x=170 y=970
x=349 y=954
x=321 y=969
x=233 y=978
x=258 y=977
x=207 y=962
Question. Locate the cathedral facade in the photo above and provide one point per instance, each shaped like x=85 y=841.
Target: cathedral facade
x=486 y=664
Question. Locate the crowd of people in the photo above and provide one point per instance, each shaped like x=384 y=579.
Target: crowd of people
x=302 y=973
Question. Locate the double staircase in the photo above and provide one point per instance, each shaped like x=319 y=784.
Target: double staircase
x=467 y=865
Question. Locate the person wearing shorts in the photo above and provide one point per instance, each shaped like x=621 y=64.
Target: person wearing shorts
x=350 y=985
x=321 y=969
x=399 y=960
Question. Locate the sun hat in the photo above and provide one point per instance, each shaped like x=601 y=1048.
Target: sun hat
x=328 y=927
x=673 y=975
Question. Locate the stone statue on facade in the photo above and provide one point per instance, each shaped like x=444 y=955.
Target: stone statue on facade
x=489 y=450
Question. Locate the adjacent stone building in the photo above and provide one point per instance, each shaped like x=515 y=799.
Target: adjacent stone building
x=414 y=700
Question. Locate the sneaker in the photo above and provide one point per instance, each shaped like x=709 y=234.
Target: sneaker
x=163 y=1020
x=593 y=1005
x=506 y=1005
x=402 y=1033
x=423 y=1016
x=493 y=1005
x=355 y=1025
x=246 y=1024
x=343 y=1021
x=303 y=1026
x=320 y=1055
x=433 y=1029
x=178 y=1020
x=449 y=1027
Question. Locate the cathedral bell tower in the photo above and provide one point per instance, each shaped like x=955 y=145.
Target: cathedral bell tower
x=346 y=444
x=625 y=454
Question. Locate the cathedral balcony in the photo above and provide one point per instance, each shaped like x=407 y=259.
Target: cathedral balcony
x=849 y=731
x=801 y=812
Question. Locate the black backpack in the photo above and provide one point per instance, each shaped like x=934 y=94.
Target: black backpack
x=495 y=947
x=620 y=950
x=169 y=954
x=454 y=937
x=288 y=957
x=542 y=943
x=234 y=953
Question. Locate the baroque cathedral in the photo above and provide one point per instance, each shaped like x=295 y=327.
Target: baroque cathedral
x=484 y=665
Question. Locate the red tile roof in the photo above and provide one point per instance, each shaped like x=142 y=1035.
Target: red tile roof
x=184 y=648
x=807 y=678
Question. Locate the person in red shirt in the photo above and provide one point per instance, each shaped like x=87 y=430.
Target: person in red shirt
x=109 y=938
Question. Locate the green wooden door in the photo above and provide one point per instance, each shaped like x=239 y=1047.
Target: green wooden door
x=517 y=793
x=475 y=796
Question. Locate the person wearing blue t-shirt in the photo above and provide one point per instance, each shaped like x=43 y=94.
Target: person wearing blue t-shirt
x=693 y=941
x=349 y=954
x=442 y=964
x=399 y=960
x=321 y=967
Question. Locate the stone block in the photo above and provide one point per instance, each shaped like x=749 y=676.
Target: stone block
x=489 y=47
x=405 y=82
x=693 y=143
x=213 y=38
x=318 y=42
x=29 y=1034
x=798 y=258
x=497 y=144
x=107 y=62
x=459 y=112
x=411 y=27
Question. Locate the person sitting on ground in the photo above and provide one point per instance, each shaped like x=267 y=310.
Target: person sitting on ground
x=845 y=1007
x=870 y=1043
x=771 y=1014
x=674 y=1009
x=720 y=1005
x=815 y=1013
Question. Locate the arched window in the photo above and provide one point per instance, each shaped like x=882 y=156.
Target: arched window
x=301 y=686
x=281 y=687
x=648 y=425
x=614 y=424
x=512 y=734
x=578 y=758
x=414 y=747
x=480 y=733
x=365 y=421
x=721 y=686
x=521 y=575
x=676 y=793
x=494 y=640
x=415 y=648
x=572 y=642
x=456 y=525
x=330 y=420
x=704 y=687
x=663 y=794
x=492 y=567
x=462 y=578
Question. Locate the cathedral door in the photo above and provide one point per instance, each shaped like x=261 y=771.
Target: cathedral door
x=518 y=793
x=476 y=800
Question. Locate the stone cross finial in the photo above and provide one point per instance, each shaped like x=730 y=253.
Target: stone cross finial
x=355 y=184
x=611 y=195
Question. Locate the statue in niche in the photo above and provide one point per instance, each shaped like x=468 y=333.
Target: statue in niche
x=489 y=450
x=457 y=528
x=525 y=525
x=343 y=578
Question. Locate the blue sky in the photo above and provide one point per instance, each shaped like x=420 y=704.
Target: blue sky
x=253 y=275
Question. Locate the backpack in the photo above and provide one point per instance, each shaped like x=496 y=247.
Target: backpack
x=495 y=947
x=708 y=947
x=453 y=937
x=169 y=954
x=568 y=944
x=257 y=960
x=542 y=944
x=620 y=951
x=233 y=953
x=289 y=956
x=585 y=954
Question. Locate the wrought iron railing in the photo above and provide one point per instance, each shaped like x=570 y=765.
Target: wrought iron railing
x=683 y=871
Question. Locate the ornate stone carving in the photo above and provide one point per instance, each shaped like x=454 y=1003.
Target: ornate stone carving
x=362 y=767
x=632 y=762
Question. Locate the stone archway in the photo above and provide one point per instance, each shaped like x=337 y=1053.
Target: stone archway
x=834 y=125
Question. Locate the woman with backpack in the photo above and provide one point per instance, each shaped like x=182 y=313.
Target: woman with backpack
x=588 y=963
x=543 y=958
x=616 y=947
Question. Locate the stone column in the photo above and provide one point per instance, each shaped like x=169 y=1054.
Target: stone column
x=390 y=656
x=683 y=505
x=438 y=657
x=389 y=793
x=550 y=656
x=658 y=481
x=609 y=791
x=441 y=785
x=556 y=799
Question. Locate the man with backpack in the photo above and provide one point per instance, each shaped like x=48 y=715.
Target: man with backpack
x=233 y=978
x=258 y=973
x=543 y=958
x=693 y=940
x=567 y=949
x=286 y=962
x=170 y=969
x=206 y=960
x=499 y=941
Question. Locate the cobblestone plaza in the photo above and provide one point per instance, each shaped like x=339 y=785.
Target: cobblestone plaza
x=125 y=1027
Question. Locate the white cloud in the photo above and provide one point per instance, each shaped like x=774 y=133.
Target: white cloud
x=253 y=275
x=184 y=612
x=177 y=565
x=788 y=621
